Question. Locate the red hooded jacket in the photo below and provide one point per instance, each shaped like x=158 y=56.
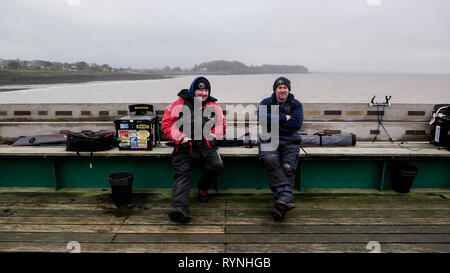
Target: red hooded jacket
x=174 y=111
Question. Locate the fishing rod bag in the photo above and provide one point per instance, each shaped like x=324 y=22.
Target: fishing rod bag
x=334 y=140
x=41 y=140
x=317 y=140
x=89 y=141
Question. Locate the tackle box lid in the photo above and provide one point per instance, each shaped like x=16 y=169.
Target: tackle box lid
x=132 y=117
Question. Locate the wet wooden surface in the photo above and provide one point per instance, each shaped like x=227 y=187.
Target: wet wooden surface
x=230 y=222
x=362 y=149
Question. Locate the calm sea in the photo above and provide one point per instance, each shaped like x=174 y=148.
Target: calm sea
x=314 y=87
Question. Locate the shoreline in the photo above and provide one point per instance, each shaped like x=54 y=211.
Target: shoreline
x=8 y=78
x=29 y=77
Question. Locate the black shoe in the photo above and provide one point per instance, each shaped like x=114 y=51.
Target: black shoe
x=203 y=196
x=280 y=208
x=286 y=203
x=179 y=215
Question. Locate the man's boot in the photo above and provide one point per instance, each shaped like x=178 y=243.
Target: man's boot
x=179 y=214
x=203 y=196
x=280 y=208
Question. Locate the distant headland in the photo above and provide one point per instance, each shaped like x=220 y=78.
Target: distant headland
x=18 y=72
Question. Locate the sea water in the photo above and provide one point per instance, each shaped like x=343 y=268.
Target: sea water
x=311 y=87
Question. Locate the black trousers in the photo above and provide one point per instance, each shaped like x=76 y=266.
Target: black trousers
x=183 y=160
x=280 y=166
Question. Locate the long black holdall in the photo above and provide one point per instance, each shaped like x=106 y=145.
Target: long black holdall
x=89 y=141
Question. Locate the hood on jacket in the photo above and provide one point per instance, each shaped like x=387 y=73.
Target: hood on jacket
x=191 y=89
x=185 y=95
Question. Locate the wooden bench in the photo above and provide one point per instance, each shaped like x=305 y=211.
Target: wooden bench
x=367 y=165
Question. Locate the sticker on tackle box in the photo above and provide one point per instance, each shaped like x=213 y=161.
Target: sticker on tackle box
x=143 y=134
x=143 y=126
x=123 y=134
x=133 y=133
x=134 y=143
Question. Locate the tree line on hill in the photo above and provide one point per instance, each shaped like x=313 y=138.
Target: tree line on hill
x=54 y=66
x=219 y=66
x=235 y=67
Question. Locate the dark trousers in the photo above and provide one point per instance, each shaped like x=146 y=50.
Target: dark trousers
x=183 y=163
x=280 y=166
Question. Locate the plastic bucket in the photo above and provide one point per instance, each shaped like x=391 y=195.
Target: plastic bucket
x=121 y=187
x=403 y=178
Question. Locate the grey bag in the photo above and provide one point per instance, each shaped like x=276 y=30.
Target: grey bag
x=335 y=140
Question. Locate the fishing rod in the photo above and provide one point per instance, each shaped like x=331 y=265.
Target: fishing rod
x=380 y=115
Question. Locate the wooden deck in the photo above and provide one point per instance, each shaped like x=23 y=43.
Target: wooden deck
x=46 y=221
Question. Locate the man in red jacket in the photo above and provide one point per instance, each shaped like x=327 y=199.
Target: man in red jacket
x=194 y=122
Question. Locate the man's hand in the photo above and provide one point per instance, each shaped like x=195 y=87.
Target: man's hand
x=185 y=139
x=288 y=117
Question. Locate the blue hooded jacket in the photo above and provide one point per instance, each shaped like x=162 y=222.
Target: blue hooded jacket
x=191 y=88
x=291 y=107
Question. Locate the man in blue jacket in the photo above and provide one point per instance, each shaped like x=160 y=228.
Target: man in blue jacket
x=281 y=162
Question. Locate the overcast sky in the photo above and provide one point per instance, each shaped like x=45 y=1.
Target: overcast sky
x=324 y=35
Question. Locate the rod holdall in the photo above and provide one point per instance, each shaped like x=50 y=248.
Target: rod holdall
x=326 y=140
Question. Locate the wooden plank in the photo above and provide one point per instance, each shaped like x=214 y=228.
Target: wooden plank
x=283 y=238
x=111 y=228
x=17 y=205
x=57 y=220
x=90 y=198
x=263 y=205
x=336 y=248
x=339 y=221
x=286 y=229
x=349 y=200
x=163 y=219
x=347 y=213
x=59 y=237
x=220 y=198
x=51 y=212
x=87 y=197
x=59 y=228
x=173 y=228
x=106 y=212
x=231 y=248
x=267 y=205
x=170 y=238
x=112 y=248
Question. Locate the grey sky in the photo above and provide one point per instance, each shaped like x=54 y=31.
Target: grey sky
x=324 y=35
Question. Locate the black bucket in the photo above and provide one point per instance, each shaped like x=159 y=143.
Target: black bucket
x=121 y=187
x=403 y=177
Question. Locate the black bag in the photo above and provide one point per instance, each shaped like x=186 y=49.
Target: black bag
x=440 y=132
x=88 y=141
x=329 y=140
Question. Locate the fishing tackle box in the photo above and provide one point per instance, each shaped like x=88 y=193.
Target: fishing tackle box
x=138 y=130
